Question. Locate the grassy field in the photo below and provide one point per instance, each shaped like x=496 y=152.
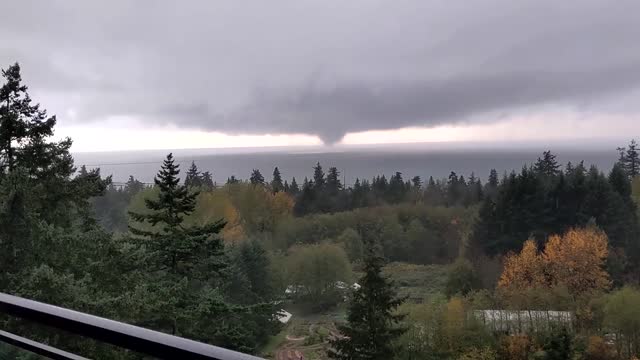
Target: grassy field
x=419 y=282
x=307 y=331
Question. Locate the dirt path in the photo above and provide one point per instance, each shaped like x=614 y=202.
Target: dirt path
x=289 y=355
x=293 y=338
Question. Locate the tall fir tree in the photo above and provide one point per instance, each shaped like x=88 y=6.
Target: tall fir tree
x=294 y=189
x=133 y=186
x=373 y=323
x=433 y=193
x=175 y=247
x=493 y=178
x=416 y=182
x=193 y=178
x=186 y=269
x=256 y=177
x=631 y=159
x=305 y=203
x=333 y=183
x=318 y=177
x=276 y=182
x=21 y=122
x=396 y=189
x=619 y=181
x=207 y=180
x=453 y=189
x=474 y=190
x=547 y=165
x=46 y=168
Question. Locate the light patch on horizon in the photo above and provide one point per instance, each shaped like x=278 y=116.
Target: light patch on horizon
x=555 y=127
x=112 y=136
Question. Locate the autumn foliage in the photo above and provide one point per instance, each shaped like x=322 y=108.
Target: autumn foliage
x=515 y=347
x=523 y=270
x=598 y=349
x=574 y=260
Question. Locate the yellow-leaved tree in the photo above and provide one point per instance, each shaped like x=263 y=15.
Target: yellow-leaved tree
x=524 y=270
x=577 y=259
x=573 y=262
x=217 y=204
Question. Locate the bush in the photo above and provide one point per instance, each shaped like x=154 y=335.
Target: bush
x=314 y=270
x=598 y=349
x=557 y=345
x=461 y=279
x=485 y=353
x=515 y=347
x=352 y=243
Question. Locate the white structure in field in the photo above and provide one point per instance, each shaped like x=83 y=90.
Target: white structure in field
x=284 y=316
x=523 y=321
x=340 y=285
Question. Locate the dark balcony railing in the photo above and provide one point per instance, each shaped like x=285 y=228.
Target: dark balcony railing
x=145 y=341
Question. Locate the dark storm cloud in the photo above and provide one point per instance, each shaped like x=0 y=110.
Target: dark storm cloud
x=323 y=67
x=333 y=112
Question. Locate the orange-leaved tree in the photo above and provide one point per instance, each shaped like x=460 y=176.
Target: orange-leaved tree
x=574 y=260
x=524 y=270
x=577 y=259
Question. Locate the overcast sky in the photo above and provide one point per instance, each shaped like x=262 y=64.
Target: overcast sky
x=176 y=74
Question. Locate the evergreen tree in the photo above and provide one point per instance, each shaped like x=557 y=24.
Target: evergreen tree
x=486 y=238
x=631 y=159
x=133 y=186
x=207 y=180
x=372 y=322
x=493 y=179
x=255 y=263
x=306 y=201
x=193 y=178
x=293 y=188
x=621 y=150
x=547 y=165
x=619 y=181
x=416 y=182
x=474 y=190
x=286 y=187
x=357 y=195
x=46 y=168
x=396 y=189
x=318 y=177
x=175 y=247
x=434 y=194
x=276 y=183
x=333 y=184
x=232 y=180
x=185 y=270
x=256 y=177
x=453 y=190
x=379 y=186
x=21 y=123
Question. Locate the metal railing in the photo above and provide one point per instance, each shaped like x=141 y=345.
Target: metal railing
x=145 y=341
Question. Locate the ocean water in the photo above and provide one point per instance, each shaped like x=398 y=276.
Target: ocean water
x=353 y=162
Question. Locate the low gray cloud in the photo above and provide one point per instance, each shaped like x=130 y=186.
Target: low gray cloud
x=322 y=67
x=331 y=113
